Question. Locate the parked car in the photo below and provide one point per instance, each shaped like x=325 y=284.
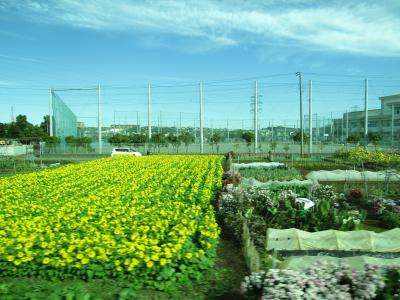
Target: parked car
x=125 y=151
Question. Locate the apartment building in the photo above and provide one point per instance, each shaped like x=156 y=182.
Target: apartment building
x=385 y=120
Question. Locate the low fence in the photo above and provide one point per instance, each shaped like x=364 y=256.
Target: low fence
x=278 y=149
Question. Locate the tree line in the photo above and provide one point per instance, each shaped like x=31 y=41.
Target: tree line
x=26 y=133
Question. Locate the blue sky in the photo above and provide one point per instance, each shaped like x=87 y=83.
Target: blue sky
x=124 y=45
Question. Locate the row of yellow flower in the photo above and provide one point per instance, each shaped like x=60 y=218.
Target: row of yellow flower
x=120 y=216
x=360 y=154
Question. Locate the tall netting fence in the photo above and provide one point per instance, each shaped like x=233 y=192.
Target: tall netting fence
x=64 y=120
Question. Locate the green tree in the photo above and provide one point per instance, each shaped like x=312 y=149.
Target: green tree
x=173 y=140
x=353 y=139
x=215 y=140
x=13 y=131
x=45 y=125
x=248 y=137
x=138 y=139
x=158 y=140
x=297 y=137
x=186 y=138
x=118 y=139
x=3 y=130
x=23 y=131
x=22 y=122
x=52 y=142
x=71 y=141
x=375 y=138
x=84 y=141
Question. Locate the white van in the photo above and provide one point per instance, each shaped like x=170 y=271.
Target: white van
x=125 y=151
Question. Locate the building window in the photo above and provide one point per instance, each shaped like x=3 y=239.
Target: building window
x=372 y=123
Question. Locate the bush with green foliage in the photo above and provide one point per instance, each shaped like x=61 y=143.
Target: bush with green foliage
x=391 y=217
x=248 y=137
x=353 y=139
x=374 y=138
x=361 y=155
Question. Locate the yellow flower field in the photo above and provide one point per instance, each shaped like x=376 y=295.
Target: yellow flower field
x=115 y=217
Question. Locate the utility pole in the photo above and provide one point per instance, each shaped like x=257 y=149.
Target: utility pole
x=392 y=133
x=301 y=115
x=201 y=117
x=194 y=129
x=114 y=122
x=272 y=131
x=126 y=127
x=284 y=130
x=149 y=114
x=99 y=117
x=366 y=113
x=180 y=122
x=337 y=131
x=137 y=121
x=227 y=128
x=347 y=124
x=342 y=131
x=50 y=112
x=255 y=117
x=310 y=117
x=332 y=131
x=12 y=114
x=159 y=121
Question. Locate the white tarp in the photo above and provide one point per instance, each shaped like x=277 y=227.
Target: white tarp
x=295 y=182
x=259 y=165
x=362 y=240
x=306 y=202
x=352 y=175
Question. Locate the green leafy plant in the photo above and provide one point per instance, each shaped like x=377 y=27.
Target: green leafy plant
x=267 y=208
x=265 y=175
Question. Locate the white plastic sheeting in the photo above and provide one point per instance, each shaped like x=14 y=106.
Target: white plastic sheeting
x=260 y=165
x=352 y=175
x=306 y=202
x=295 y=182
x=363 y=240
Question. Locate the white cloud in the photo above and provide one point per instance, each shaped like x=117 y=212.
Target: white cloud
x=349 y=27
